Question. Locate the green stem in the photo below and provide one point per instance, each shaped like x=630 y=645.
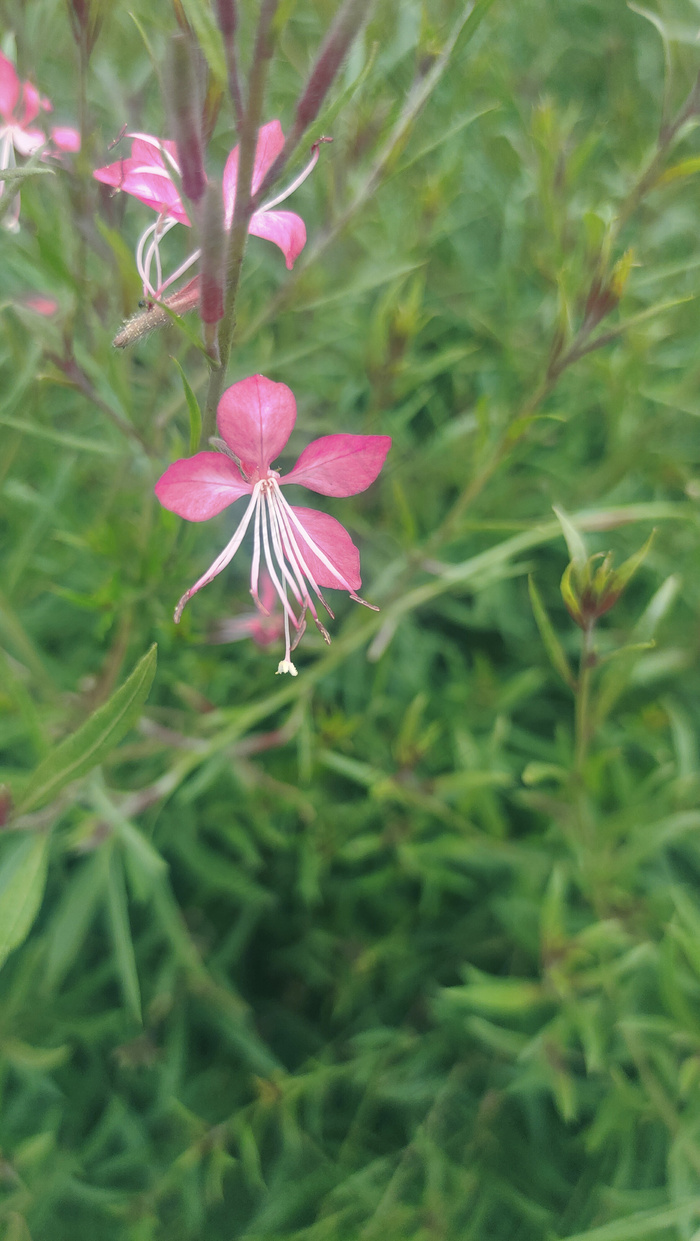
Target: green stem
x=583 y=700
x=242 y=213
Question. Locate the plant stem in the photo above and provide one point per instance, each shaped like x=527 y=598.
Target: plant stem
x=242 y=211
x=583 y=699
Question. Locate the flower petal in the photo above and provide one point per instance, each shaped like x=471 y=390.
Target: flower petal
x=65 y=138
x=27 y=141
x=286 y=229
x=31 y=104
x=334 y=541
x=145 y=174
x=340 y=465
x=200 y=487
x=256 y=417
x=269 y=144
x=9 y=88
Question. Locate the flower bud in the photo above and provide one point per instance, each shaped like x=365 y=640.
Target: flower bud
x=589 y=589
x=211 y=280
x=333 y=50
x=227 y=17
x=182 y=95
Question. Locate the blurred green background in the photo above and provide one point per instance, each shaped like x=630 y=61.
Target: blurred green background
x=384 y=952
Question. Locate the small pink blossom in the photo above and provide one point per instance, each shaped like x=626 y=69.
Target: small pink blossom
x=147 y=174
x=65 y=138
x=20 y=104
x=41 y=305
x=265 y=624
x=303 y=549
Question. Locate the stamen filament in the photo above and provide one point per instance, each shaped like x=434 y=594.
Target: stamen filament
x=297 y=584
x=295 y=184
x=273 y=574
x=289 y=512
x=225 y=556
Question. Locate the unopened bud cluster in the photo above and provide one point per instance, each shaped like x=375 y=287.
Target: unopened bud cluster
x=591 y=587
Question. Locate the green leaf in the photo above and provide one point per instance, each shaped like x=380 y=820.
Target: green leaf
x=80 y=752
x=194 y=410
x=577 y=548
x=71 y=920
x=640 y=1225
x=552 y=644
x=22 y=883
x=626 y=570
x=685 y=168
x=121 y=935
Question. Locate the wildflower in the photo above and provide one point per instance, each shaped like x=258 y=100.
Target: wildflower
x=20 y=104
x=265 y=625
x=148 y=175
x=41 y=304
x=303 y=549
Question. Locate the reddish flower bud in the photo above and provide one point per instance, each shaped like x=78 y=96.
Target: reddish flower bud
x=211 y=280
x=182 y=94
x=227 y=17
x=333 y=50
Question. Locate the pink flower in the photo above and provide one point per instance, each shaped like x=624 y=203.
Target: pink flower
x=20 y=104
x=147 y=175
x=265 y=625
x=41 y=305
x=304 y=549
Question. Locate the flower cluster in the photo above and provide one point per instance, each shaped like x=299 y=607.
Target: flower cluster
x=20 y=105
x=152 y=174
x=303 y=549
x=297 y=552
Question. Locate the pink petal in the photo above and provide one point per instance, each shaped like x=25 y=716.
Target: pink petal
x=159 y=152
x=9 y=88
x=31 y=104
x=27 y=141
x=334 y=541
x=145 y=174
x=65 y=138
x=286 y=229
x=41 y=305
x=340 y=465
x=256 y=418
x=200 y=487
x=269 y=145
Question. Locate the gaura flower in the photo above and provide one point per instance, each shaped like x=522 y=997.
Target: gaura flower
x=20 y=104
x=148 y=175
x=265 y=624
x=303 y=549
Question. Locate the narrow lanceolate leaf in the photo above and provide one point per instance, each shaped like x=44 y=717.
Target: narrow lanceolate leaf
x=94 y=740
x=22 y=881
x=121 y=936
x=193 y=410
x=552 y=644
x=577 y=548
x=641 y=1224
x=71 y=922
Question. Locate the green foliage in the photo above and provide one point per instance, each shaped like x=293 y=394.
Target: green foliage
x=409 y=947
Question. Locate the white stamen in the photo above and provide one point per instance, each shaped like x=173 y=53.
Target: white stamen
x=289 y=512
x=295 y=184
x=226 y=555
x=296 y=583
x=273 y=574
x=180 y=271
